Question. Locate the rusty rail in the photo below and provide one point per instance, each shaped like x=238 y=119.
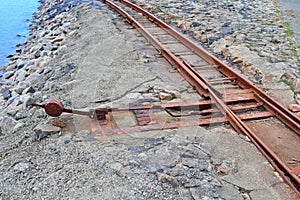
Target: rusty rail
x=244 y=92
x=203 y=87
x=282 y=113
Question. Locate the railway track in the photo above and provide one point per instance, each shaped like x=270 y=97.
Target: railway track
x=227 y=96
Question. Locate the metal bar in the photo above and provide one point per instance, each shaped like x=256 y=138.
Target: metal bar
x=160 y=33
x=206 y=112
x=171 y=58
x=169 y=42
x=234 y=120
x=237 y=91
x=199 y=84
x=178 y=124
x=205 y=67
x=282 y=113
x=183 y=53
x=222 y=79
x=247 y=106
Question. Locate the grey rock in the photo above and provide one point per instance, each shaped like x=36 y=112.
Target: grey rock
x=33 y=78
x=220 y=45
x=297 y=86
x=115 y=166
x=29 y=89
x=20 y=65
x=150 y=166
x=227 y=167
x=21 y=87
x=20 y=115
x=8 y=74
x=165 y=178
x=21 y=75
x=11 y=67
x=13 y=107
x=133 y=95
x=2 y=72
x=7 y=125
x=202 y=165
x=18 y=127
x=27 y=100
x=48 y=47
x=44 y=130
x=21 y=167
x=7 y=94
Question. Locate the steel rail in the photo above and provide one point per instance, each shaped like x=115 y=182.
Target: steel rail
x=279 y=111
x=193 y=78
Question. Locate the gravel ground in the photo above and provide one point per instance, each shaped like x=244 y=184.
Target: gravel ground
x=81 y=53
x=252 y=34
x=291 y=12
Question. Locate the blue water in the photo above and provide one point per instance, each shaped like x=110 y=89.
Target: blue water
x=15 y=18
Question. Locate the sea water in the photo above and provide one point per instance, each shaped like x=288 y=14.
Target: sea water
x=15 y=16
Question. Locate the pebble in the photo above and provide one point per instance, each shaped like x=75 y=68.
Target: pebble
x=29 y=89
x=21 y=87
x=8 y=74
x=133 y=95
x=67 y=141
x=57 y=40
x=165 y=96
x=13 y=107
x=165 y=178
x=11 y=67
x=18 y=127
x=2 y=72
x=21 y=167
x=7 y=124
x=227 y=167
x=7 y=94
x=19 y=115
x=27 y=100
x=44 y=130
x=20 y=65
x=297 y=86
x=21 y=75
x=294 y=107
x=125 y=172
x=116 y=166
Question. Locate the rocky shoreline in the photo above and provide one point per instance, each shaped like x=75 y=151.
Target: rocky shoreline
x=24 y=79
x=44 y=158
